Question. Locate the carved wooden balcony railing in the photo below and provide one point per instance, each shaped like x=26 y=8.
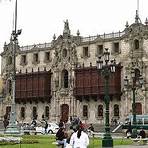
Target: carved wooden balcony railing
x=35 y=86
x=89 y=83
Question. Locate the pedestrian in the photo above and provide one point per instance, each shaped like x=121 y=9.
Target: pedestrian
x=34 y=123
x=5 y=121
x=46 y=126
x=61 y=124
x=71 y=119
x=91 y=128
x=61 y=137
x=115 y=122
x=79 y=139
x=142 y=133
x=129 y=130
x=69 y=134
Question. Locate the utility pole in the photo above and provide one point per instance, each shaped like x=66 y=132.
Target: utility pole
x=13 y=128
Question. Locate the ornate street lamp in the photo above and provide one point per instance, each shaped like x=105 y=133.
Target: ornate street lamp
x=12 y=128
x=106 y=68
x=136 y=82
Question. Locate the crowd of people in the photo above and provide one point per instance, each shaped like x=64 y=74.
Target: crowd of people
x=141 y=133
x=75 y=137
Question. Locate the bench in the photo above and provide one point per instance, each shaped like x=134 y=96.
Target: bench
x=95 y=134
x=140 y=140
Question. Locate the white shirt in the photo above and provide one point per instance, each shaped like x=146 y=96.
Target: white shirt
x=81 y=142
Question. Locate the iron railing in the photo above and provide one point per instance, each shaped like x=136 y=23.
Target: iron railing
x=35 y=46
x=83 y=39
x=103 y=36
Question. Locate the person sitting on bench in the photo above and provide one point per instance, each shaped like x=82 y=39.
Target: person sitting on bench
x=142 y=133
x=61 y=137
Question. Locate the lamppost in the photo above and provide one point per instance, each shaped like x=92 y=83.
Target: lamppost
x=12 y=128
x=106 y=68
x=135 y=83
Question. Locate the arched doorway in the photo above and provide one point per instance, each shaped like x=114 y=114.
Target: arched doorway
x=138 y=108
x=64 y=112
x=7 y=113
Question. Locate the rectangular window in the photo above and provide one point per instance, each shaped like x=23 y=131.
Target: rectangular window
x=85 y=111
x=35 y=57
x=22 y=112
x=85 y=51
x=47 y=112
x=116 y=47
x=100 y=111
x=23 y=59
x=99 y=49
x=34 y=113
x=47 y=56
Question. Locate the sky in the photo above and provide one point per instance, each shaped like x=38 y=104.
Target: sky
x=40 y=19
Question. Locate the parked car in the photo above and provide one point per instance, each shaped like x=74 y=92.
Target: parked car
x=51 y=129
x=40 y=129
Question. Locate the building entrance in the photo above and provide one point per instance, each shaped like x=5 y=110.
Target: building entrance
x=64 y=112
x=138 y=108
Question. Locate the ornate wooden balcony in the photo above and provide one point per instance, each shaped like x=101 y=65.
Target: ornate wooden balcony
x=89 y=83
x=35 y=86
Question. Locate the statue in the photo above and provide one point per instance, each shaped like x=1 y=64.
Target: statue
x=66 y=25
x=66 y=28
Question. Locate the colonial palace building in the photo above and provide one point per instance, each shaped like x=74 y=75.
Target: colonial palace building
x=60 y=79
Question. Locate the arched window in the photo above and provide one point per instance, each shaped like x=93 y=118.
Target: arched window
x=9 y=61
x=9 y=86
x=22 y=112
x=85 y=111
x=64 y=112
x=137 y=73
x=116 y=110
x=7 y=114
x=64 y=53
x=34 y=113
x=136 y=43
x=100 y=111
x=65 y=78
x=138 y=108
x=47 y=112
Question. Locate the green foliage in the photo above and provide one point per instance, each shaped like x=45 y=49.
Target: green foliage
x=6 y=143
x=97 y=142
x=46 y=141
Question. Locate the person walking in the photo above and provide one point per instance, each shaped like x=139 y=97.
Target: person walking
x=91 y=128
x=79 y=139
x=46 y=126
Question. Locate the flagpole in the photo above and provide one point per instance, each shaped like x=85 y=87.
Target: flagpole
x=15 y=16
x=13 y=128
x=138 y=6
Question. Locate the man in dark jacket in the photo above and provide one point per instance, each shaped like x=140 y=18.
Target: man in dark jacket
x=142 y=133
x=61 y=137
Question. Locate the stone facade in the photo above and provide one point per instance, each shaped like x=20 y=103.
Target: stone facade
x=129 y=47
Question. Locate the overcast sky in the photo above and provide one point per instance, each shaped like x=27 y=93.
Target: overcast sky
x=40 y=19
